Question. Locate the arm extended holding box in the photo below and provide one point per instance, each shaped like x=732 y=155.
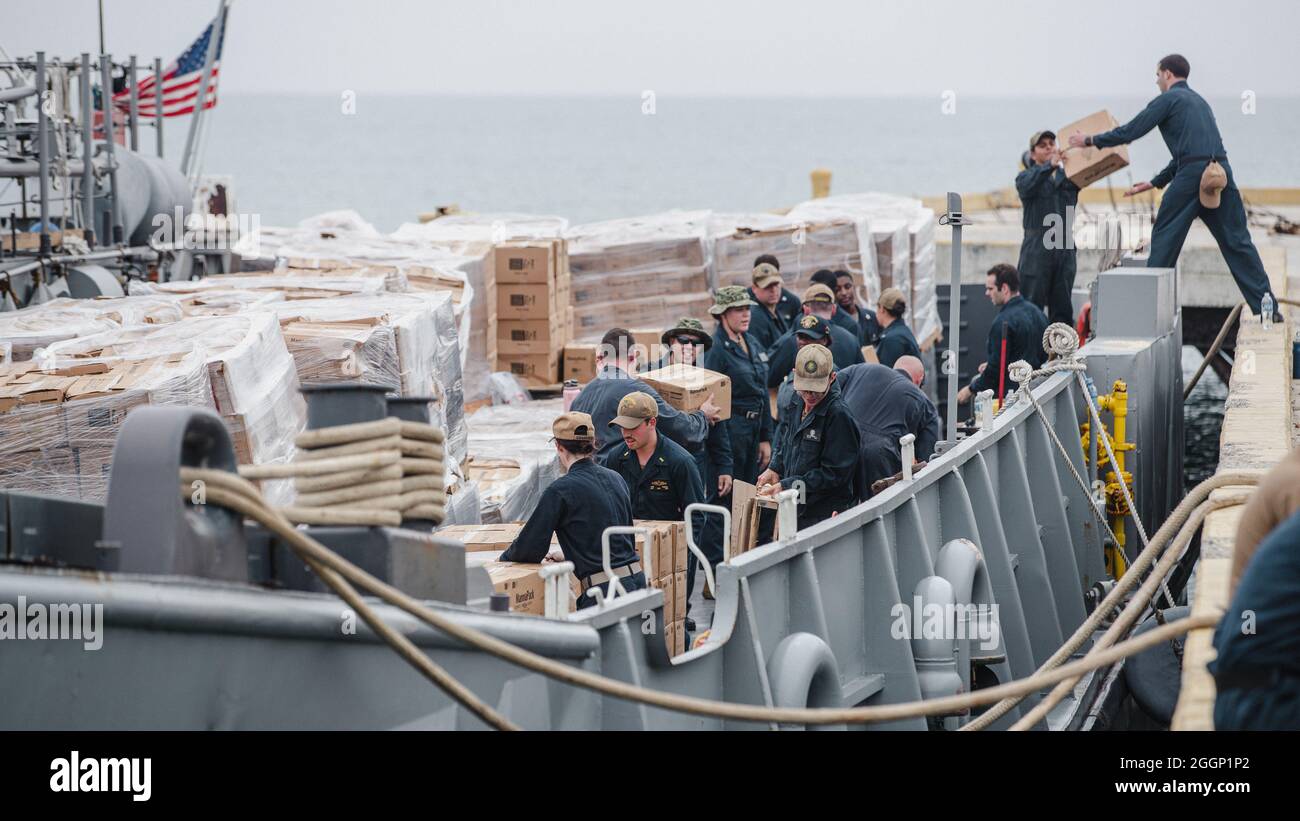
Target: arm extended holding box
x=1147 y=119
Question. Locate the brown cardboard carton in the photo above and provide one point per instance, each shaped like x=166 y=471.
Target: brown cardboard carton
x=530 y=336
x=527 y=589
x=1086 y=165
x=479 y=538
x=680 y=550
x=685 y=387
x=534 y=370
x=679 y=595
x=516 y=301
x=662 y=544
x=532 y=263
x=580 y=361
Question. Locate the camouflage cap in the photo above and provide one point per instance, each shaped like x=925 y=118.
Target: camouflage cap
x=574 y=426
x=813 y=367
x=765 y=274
x=634 y=409
x=728 y=297
x=688 y=326
x=1039 y=136
x=818 y=293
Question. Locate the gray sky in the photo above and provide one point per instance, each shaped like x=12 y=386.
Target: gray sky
x=698 y=47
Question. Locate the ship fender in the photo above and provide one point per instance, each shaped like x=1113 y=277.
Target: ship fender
x=803 y=673
x=936 y=657
x=962 y=564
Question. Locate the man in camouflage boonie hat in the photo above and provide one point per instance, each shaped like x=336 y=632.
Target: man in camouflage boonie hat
x=728 y=297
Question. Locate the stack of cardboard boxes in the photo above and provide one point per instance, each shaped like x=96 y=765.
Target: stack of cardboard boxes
x=530 y=323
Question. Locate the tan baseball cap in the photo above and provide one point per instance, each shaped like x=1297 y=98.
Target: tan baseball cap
x=634 y=409
x=891 y=299
x=574 y=426
x=765 y=274
x=813 y=368
x=818 y=293
x=1213 y=180
x=1039 y=136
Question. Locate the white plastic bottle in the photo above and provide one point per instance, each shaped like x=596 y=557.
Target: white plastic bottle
x=1266 y=311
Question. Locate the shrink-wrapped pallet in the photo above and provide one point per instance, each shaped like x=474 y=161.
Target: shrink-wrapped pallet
x=803 y=246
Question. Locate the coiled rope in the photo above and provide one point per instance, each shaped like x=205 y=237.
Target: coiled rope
x=369 y=473
x=231 y=491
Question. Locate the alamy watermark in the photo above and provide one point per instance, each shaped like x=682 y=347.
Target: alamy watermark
x=205 y=232
x=951 y=621
x=36 y=621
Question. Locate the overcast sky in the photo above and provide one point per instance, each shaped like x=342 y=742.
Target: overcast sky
x=699 y=47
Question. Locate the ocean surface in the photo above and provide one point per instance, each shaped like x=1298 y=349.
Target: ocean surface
x=595 y=158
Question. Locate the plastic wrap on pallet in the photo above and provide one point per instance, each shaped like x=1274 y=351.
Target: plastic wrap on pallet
x=253 y=381
x=57 y=429
x=291 y=287
x=924 y=303
x=35 y=327
x=519 y=434
x=802 y=245
x=404 y=340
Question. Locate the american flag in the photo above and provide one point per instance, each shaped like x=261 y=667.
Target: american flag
x=181 y=79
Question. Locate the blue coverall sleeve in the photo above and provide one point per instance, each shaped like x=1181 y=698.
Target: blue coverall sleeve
x=1166 y=174
x=534 y=541
x=1033 y=181
x=689 y=477
x=777 y=461
x=720 y=449
x=780 y=362
x=1147 y=119
x=926 y=427
x=989 y=378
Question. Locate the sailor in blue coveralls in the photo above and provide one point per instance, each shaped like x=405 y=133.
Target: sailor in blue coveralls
x=1187 y=125
x=775 y=308
x=1047 y=255
x=896 y=338
x=738 y=356
x=1016 y=333
x=578 y=507
x=846 y=350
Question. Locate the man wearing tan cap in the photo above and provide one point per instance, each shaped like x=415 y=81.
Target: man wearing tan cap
x=817 y=445
x=1199 y=180
x=578 y=507
x=895 y=337
x=1047 y=254
x=819 y=302
x=776 y=307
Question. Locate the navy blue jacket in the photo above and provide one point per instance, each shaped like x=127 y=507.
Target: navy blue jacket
x=1021 y=324
x=578 y=507
x=665 y=486
x=765 y=327
x=601 y=396
x=896 y=341
x=1186 y=123
x=886 y=406
x=868 y=327
x=846 y=322
x=845 y=351
x=748 y=374
x=821 y=450
x=1044 y=191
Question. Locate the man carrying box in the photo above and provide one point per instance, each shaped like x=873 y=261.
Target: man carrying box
x=1047 y=255
x=578 y=507
x=1199 y=178
x=661 y=476
x=617 y=361
x=819 y=443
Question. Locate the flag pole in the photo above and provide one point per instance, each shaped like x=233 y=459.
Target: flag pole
x=201 y=101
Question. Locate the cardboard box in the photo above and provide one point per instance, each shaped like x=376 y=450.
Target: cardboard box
x=679 y=595
x=1086 y=165
x=663 y=544
x=527 y=589
x=526 y=263
x=685 y=387
x=534 y=370
x=480 y=538
x=529 y=301
x=530 y=336
x=580 y=361
x=675 y=637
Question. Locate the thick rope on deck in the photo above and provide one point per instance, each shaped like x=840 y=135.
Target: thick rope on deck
x=378 y=473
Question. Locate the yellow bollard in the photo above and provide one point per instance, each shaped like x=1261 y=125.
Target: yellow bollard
x=821 y=183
